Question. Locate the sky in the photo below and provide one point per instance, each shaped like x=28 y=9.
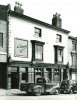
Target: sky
x=44 y=9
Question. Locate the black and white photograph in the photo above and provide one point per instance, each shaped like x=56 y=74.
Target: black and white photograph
x=38 y=50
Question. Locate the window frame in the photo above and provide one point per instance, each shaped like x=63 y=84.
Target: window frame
x=58 y=38
x=74 y=45
x=56 y=48
x=36 y=44
x=1 y=41
x=38 y=32
x=33 y=49
x=60 y=55
x=74 y=59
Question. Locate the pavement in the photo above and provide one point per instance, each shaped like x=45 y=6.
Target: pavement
x=11 y=92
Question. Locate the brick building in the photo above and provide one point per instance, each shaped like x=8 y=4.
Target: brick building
x=32 y=48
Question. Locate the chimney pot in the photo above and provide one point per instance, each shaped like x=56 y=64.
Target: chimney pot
x=56 y=20
x=18 y=8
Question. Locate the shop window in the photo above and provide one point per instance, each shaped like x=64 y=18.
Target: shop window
x=38 y=73
x=38 y=32
x=23 y=76
x=30 y=75
x=1 y=39
x=24 y=72
x=48 y=74
x=57 y=75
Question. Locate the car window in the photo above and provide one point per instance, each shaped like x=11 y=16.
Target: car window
x=41 y=80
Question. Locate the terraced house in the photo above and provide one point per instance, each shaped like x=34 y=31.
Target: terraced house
x=72 y=57
x=30 y=48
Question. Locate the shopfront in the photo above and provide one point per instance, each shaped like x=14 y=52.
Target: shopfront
x=25 y=73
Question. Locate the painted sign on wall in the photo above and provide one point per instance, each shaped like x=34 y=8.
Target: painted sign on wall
x=21 y=48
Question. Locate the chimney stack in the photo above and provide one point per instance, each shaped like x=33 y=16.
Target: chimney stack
x=56 y=20
x=18 y=8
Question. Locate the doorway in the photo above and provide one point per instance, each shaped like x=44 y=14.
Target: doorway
x=14 y=80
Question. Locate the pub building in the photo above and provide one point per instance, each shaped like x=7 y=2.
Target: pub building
x=34 y=48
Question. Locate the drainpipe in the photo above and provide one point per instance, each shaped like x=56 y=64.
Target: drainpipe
x=8 y=9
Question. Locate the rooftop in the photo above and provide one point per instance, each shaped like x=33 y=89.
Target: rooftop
x=13 y=13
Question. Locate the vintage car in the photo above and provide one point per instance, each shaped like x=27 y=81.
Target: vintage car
x=68 y=86
x=43 y=86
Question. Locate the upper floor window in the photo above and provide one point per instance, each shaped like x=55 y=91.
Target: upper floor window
x=38 y=51
x=74 y=59
x=58 y=54
x=1 y=39
x=74 y=45
x=38 y=32
x=58 y=38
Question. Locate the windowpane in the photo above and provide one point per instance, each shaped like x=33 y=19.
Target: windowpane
x=74 y=46
x=60 y=55
x=1 y=39
x=73 y=60
x=58 y=38
x=38 y=51
x=37 y=32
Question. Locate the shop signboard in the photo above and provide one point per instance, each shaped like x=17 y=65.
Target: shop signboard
x=21 y=48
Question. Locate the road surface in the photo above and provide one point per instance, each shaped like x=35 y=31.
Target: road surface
x=43 y=97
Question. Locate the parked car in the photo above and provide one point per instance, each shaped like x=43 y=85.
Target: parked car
x=43 y=86
x=68 y=86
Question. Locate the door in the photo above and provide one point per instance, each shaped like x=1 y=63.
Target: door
x=14 y=80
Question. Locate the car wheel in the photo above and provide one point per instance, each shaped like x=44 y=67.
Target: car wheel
x=71 y=91
x=56 y=92
x=38 y=91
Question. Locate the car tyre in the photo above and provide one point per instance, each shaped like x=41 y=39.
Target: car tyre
x=71 y=91
x=56 y=92
x=38 y=92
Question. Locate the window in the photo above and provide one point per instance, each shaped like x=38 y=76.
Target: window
x=38 y=52
x=58 y=54
x=58 y=38
x=24 y=74
x=1 y=39
x=74 y=46
x=38 y=73
x=74 y=59
x=37 y=32
x=56 y=75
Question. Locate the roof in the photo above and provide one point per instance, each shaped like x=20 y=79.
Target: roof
x=13 y=13
x=73 y=38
